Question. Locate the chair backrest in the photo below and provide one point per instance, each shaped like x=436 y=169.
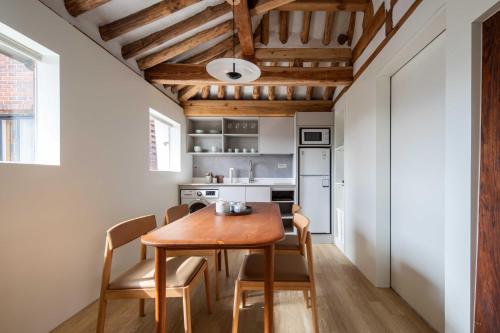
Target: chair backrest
x=172 y=214
x=127 y=231
x=295 y=208
x=302 y=224
x=309 y=256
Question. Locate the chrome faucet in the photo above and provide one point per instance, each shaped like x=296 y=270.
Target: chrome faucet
x=251 y=178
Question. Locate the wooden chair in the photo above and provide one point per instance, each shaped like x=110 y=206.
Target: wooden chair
x=290 y=244
x=183 y=273
x=177 y=212
x=292 y=272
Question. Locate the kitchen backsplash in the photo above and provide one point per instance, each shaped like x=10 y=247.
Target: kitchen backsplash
x=265 y=166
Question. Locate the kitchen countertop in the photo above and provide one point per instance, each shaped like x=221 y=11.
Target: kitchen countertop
x=244 y=182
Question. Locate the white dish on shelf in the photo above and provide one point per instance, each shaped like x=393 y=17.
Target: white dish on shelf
x=214 y=131
x=199 y=131
x=197 y=149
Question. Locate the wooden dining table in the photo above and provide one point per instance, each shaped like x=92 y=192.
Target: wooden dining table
x=204 y=229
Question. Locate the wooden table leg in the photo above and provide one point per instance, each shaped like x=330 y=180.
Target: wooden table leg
x=160 y=284
x=268 y=290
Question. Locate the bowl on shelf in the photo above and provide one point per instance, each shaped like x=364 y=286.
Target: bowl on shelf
x=199 y=131
x=197 y=149
x=214 y=131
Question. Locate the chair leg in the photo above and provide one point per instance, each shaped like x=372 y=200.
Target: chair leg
x=314 y=306
x=226 y=262
x=207 y=289
x=216 y=268
x=306 y=298
x=186 y=302
x=243 y=299
x=219 y=260
x=101 y=317
x=236 y=306
x=142 y=311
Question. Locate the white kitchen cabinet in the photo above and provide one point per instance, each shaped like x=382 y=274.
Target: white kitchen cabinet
x=232 y=193
x=276 y=135
x=258 y=194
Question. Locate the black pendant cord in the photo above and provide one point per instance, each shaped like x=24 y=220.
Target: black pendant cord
x=234 y=42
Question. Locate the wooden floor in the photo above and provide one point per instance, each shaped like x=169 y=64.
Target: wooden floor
x=347 y=302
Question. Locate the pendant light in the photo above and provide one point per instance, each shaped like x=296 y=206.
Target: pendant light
x=233 y=70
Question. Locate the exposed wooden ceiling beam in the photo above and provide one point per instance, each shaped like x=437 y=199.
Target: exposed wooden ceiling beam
x=263 y=6
x=78 y=7
x=157 y=38
x=197 y=75
x=328 y=93
x=350 y=29
x=211 y=52
x=304 y=54
x=237 y=92
x=188 y=93
x=326 y=5
x=181 y=47
x=328 y=32
x=283 y=34
x=252 y=108
x=142 y=17
x=264 y=37
x=271 y=90
x=256 y=92
x=310 y=89
x=205 y=92
x=368 y=15
x=244 y=25
x=306 y=26
x=369 y=33
x=221 y=92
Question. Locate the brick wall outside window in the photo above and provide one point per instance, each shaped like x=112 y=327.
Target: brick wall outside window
x=16 y=86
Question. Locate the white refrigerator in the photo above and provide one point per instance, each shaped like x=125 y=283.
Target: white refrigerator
x=314 y=188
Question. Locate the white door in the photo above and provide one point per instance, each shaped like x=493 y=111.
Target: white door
x=417 y=182
x=232 y=193
x=276 y=135
x=258 y=194
x=314 y=200
x=314 y=161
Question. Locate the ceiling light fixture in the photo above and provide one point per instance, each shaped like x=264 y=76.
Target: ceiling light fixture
x=233 y=70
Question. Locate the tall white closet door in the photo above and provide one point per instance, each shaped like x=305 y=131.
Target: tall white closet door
x=417 y=182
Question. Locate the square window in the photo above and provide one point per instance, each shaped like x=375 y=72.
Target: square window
x=29 y=100
x=164 y=143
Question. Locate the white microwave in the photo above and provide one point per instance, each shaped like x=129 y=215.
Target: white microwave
x=314 y=136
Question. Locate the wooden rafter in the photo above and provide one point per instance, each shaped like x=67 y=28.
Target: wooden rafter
x=328 y=32
x=263 y=6
x=244 y=25
x=188 y=93
x=78 y=7
x=211 y=52
x=181 y=47
x=304 y=54
x=142 y=17
x=264 y=37
x=350 y=29
x=197 y=75
x=205 y=92
x=221 y=92
x=237 y=92
x=306 y=26
x=326 y=5
x=256 y=92
x=157 y=38
x=368 y=15
x=271 y=90
x=283 y=34
x=253 y=107
x=369 y=33
x=310 y=89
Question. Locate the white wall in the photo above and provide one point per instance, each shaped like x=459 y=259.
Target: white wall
x=366 y=146
x=53 y=218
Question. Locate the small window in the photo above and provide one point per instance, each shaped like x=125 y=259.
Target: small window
x=164 y=143
x=29 y=100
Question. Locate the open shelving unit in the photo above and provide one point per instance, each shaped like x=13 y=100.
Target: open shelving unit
x=232 y=134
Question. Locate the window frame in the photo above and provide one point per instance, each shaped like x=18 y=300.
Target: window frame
x=173 y=142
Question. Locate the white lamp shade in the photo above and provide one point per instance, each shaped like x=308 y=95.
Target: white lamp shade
x=219 y=68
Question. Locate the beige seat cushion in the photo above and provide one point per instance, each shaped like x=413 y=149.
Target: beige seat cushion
x=287 y=268
x=180 y=271
x=290 y=242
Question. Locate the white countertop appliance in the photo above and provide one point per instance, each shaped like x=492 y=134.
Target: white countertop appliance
x=314 y=187
x=197 y=199
x=314 y=136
